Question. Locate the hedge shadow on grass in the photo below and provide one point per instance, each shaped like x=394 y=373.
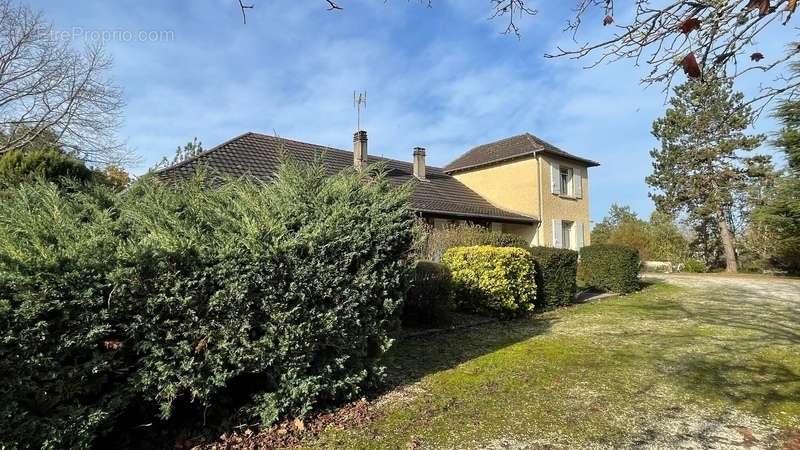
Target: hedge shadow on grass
x=411 y=359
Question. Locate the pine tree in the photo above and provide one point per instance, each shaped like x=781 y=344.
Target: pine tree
x=701 y=168
x=780 y=215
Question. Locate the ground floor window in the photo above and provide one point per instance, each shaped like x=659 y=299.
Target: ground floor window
x=566 y=234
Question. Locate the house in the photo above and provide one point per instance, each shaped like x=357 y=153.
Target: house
x=520 y=185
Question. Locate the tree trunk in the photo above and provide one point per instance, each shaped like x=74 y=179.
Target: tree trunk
x=727 y=243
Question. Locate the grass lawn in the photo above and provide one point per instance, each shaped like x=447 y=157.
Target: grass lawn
x=669 y=366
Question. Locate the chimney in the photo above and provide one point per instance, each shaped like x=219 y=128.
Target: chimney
x=360 y=149
x=419 y=163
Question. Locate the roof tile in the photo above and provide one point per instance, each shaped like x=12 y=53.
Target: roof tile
x=259 y=155
x=509 y=148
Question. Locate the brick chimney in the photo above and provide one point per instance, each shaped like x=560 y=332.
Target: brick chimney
x=360 y=150
x=419 y=163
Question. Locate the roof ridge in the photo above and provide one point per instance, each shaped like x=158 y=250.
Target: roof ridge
x=339 y=150
x=514 y=147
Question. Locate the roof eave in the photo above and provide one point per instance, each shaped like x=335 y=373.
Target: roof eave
x=586 y=162
x=520 y=219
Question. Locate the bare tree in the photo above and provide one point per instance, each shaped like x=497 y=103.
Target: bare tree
x=47 y=87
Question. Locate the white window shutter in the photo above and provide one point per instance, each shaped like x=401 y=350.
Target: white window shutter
x=577 y=180
x=556 y=233
x=579 y=235
x=555 y=179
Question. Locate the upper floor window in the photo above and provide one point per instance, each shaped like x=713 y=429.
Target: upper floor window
x=566 y=181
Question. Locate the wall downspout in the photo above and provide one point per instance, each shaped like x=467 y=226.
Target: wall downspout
x=541 y=201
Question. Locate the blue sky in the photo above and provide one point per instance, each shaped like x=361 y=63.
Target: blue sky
x=443 y=78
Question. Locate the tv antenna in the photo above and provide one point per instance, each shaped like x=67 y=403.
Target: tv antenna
x=359 y=101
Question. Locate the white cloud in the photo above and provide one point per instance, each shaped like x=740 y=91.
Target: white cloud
x=442 y=78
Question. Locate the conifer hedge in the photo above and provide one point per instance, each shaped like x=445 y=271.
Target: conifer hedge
x=181 y=297
x=556 y=271
x=610 y=267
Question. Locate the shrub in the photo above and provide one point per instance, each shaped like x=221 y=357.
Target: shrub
x=610 y=267
x=556 y=271
x=273 y=299
x=494 y=280
x=436 y=241
x=695 y=266
x=429 y=297
x=18 y=166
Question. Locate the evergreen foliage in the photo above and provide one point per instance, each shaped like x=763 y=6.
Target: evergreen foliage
x=18 y=166
x=701 y=168
x=779 y=216
x=494 y=280
x=556 y=271
x=273 y=299
x=430 y=296
x=610 y=267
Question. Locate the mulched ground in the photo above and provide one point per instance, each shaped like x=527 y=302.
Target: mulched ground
x=290 y=433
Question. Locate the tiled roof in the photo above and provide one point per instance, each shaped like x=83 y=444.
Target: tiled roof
x=509 y=148
x=258 y=155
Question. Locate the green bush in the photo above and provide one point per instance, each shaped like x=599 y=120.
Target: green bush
x=19 y=166
x=429 y=298
x=268 y=299
x=610 y=267
x=494 y=280
x=556 y=271
x=436 y=241
x=695 y=266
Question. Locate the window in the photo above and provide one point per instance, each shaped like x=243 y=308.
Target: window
x=566 y=181
x=566 y=232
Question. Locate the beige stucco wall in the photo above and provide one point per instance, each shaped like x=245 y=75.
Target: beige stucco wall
x=510 y=186
x=560 y=207
x=526 y=231
x=515 y=186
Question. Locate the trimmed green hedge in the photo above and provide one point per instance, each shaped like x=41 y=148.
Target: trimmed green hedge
x=246 y=300
x=556 y=271
x=610 y=267
x=494 y=280
x=429 y=298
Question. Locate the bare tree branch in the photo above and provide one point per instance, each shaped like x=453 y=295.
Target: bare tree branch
x=332 y=5
x=511 y=8
x=243 y=8
x=666 y=36
x=46 y=87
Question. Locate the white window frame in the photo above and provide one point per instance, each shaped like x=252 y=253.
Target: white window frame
x=567 y=231
x=565 y=186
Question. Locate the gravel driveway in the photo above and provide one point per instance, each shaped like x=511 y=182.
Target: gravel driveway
x=783 y=290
